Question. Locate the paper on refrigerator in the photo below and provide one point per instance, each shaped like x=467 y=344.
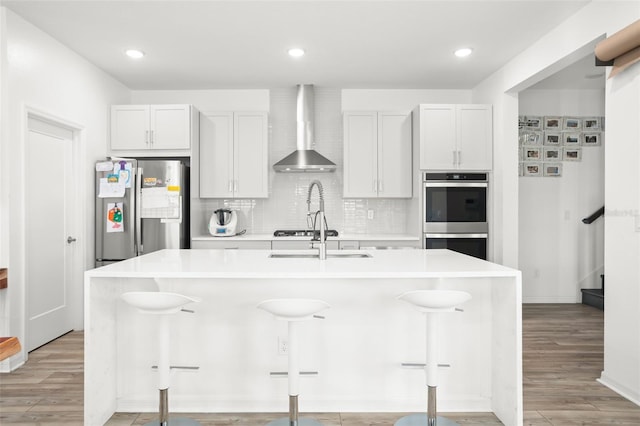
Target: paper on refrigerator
x=115 y=217
x=160 y=203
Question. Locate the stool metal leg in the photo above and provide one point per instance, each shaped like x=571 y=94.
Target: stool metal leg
x=164 y=406
x=164 y=374
x=431 y=370
x=293 y=378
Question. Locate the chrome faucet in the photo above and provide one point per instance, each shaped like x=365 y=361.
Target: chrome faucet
x=323 y=236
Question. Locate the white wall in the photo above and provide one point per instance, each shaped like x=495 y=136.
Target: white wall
x=558 y=254
x=398 y=100
x=207 y=100
x=286 y=206
x=570 y=41
x=622 y=235
x=43 y=74
x=4 y=180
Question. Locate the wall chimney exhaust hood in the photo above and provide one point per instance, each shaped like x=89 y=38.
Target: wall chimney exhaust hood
x=304 y=158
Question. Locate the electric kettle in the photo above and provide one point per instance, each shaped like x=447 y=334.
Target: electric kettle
x=223 y=223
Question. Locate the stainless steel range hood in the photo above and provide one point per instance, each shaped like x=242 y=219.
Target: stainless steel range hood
x=304 y=158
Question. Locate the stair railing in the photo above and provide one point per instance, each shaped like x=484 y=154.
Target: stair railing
x=591 y=218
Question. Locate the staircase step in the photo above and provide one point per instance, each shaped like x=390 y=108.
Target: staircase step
x=593 y=297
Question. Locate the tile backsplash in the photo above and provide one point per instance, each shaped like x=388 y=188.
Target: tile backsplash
x=286 y=207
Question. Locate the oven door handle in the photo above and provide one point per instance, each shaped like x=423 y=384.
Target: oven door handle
x=455 y=235
x=455 y=185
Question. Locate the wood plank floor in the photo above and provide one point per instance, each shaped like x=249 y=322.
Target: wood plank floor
x=562 y=358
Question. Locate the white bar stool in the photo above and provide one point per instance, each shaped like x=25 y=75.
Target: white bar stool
x=293 y=311
x=162 y=304
x=432 y=303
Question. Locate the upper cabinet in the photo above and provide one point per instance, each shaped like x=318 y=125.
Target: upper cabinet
x=234 y=155
x=455 y=137
x=377 y=154
x=166 y=128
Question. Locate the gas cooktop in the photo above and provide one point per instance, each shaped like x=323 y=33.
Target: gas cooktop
x=303 y=233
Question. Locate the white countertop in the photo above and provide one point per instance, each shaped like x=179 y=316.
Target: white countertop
x=340 y=237
x=258 y=264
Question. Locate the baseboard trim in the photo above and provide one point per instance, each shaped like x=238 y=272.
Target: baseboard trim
x=546 y=299
x=633 y=396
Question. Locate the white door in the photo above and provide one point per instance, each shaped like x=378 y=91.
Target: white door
x=475 y=137
x=250 y=155
x=49 y=237
x=360 y=154
x=216 y=155
x=394 y=155
x=437 y=137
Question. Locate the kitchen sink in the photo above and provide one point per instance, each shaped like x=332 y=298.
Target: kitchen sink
x=316 y=255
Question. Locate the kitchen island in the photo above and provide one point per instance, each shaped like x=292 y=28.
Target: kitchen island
x=357 y=349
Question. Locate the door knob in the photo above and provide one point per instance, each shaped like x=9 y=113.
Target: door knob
x=71 y=240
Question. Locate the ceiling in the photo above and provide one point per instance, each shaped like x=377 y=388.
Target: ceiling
x=237 y=44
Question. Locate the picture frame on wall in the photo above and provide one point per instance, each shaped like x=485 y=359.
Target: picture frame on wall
x=532 y=169
x=591 y=123
x=571 y=139
x=552 y=154
x=572 y=123
x=552 y=169
x=553 y=123
x=533 y=122
x=591 y=139
x=552 y=138
x=572 y=154
x=531 y=153
x=532 y=137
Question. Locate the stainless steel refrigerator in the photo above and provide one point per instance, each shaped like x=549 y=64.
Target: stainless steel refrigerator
x=141 y=206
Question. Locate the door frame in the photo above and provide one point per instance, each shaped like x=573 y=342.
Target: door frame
x=75 y=209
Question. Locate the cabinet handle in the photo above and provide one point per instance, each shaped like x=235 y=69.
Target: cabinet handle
x=152 y=137
x=375 y=185
x=230 y=185
x=146 y=136
x=459 y=158
x=235 y=186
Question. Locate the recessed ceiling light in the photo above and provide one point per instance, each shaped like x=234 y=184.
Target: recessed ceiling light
x=461 y=53
x=296 y=52
x=134 y=53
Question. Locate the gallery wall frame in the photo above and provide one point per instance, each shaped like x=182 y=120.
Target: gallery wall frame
x=548 y=140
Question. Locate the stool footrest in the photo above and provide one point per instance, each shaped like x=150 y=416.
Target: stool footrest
x=286 y=373
x=178 y=367
x=421 y=365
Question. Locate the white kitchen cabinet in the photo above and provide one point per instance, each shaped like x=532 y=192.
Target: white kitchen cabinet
x=302 y=244
x=228 y=244
x=234 y=155
x=377 y=154
x=151 y=127
x=389 y=244
x=455 y=137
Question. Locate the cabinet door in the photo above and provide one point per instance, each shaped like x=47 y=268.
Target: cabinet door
x=437 y=137
x=394 y=155
x=130 y=127
x=475 y=137
x=251 y=155
x=170 y=126
x=360 y=154
x=216 y=155
x=227 y=244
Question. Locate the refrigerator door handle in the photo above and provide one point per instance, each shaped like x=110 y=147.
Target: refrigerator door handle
x=137 y=198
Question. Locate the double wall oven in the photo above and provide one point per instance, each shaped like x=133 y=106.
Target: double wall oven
x=455 y=212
